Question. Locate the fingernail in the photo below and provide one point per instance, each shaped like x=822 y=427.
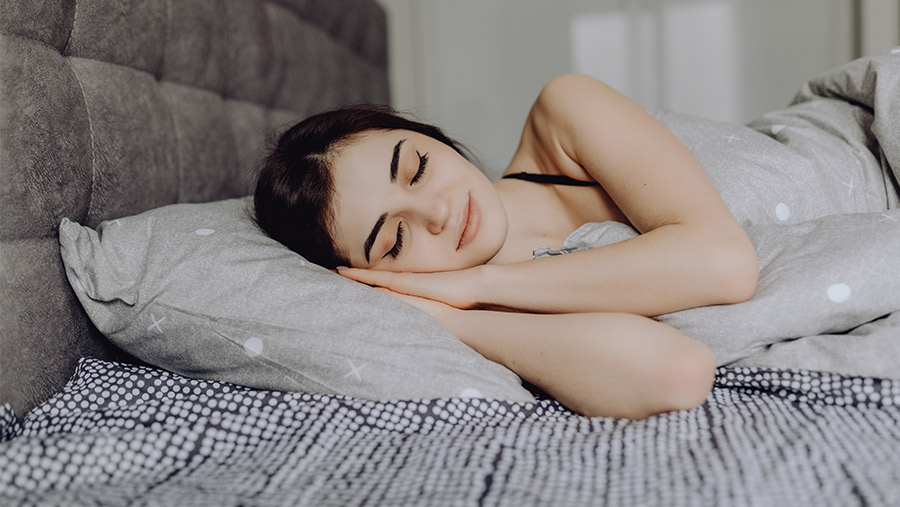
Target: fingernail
x=341 y=267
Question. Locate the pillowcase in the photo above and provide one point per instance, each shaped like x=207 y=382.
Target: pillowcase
x=200 y=290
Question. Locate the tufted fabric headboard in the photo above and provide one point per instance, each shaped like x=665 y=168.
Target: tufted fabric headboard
x=112 y=107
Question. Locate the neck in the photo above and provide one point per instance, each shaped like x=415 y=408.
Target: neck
x=527 y=226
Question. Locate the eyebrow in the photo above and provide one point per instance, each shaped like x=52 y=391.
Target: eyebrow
x=395 y=160
x=374 y=234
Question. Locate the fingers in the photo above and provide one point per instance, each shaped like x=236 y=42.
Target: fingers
x=446 y=287
x=429 y=306
x=413 y=284
x=396 y=282
x=366 y=276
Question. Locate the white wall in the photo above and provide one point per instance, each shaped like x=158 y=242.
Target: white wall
x=474 y=66
x=881 y=25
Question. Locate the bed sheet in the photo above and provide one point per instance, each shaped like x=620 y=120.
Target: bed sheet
x=124 y=434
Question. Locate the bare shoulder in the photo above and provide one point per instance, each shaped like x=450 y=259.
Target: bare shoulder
x=567 y=91
x=567 y=104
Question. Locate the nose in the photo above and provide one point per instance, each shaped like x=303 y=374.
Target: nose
x=435 y=212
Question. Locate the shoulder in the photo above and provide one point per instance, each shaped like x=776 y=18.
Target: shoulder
x=585 y=117
x=566 y=104
x=575 y=105
x=565 y=95
x=561 y=86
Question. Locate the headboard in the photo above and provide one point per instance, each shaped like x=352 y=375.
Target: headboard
x=112 y=107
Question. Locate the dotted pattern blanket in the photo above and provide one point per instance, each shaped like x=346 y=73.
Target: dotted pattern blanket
x=128 y=435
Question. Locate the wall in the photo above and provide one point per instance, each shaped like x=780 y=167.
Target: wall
x=879 y=22
x=474 y=66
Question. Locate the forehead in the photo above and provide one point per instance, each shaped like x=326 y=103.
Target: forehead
x=367 y=144
x=364 y=157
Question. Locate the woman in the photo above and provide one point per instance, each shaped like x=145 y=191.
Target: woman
x=398 y=203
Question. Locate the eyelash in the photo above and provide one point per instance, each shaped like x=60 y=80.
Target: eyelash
x=423 y=160
x=394 y=252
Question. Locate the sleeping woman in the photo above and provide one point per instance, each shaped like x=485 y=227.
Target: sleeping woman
x=396 y=204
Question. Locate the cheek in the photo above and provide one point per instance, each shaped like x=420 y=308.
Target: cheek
x=426 y=256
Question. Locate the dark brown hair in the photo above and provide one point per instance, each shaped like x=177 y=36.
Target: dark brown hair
x=295 y=188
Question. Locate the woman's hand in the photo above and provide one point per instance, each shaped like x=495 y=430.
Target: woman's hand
x=454 y=288
x=434 y=308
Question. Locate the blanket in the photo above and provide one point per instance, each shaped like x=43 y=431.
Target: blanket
x=815 y=187
x=123 y=434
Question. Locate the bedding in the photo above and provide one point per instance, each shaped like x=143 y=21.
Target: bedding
x=815 y=187
x=121 y=434
x=199 y=289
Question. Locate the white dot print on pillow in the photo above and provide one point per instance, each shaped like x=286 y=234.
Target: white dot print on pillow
x=839 y=292
x=253 y=346
x=782 y=211
x=204 y=232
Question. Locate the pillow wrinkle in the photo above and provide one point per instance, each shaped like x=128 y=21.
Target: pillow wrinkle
x=101 y=279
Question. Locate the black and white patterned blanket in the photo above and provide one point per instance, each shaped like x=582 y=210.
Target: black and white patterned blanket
x=123 y=434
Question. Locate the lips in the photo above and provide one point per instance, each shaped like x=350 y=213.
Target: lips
x=471 y=220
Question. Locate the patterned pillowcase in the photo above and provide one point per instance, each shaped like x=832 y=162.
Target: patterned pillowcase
x=200 y=290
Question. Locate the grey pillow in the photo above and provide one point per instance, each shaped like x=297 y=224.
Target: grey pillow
x=200 y=290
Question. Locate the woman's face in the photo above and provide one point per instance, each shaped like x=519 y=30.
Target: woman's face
x=407 y=202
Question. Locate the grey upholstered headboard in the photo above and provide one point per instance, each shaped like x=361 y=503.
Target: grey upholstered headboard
x=112 y=107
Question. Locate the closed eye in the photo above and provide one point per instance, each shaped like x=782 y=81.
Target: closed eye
x=423 y=161
x=395 y=251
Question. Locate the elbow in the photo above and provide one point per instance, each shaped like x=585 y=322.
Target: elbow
x=680 y=381
x=686 y=379
x=735 y=272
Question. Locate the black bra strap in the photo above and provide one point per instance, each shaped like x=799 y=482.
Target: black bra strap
x=551 y=179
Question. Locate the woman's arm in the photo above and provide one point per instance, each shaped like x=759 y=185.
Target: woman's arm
x=597 y=364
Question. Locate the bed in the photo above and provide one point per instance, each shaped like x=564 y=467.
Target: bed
x=146 y=359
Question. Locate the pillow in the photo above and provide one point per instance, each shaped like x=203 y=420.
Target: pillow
x=200 y=290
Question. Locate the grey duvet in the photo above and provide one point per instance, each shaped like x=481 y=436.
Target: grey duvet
x=815 y=187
